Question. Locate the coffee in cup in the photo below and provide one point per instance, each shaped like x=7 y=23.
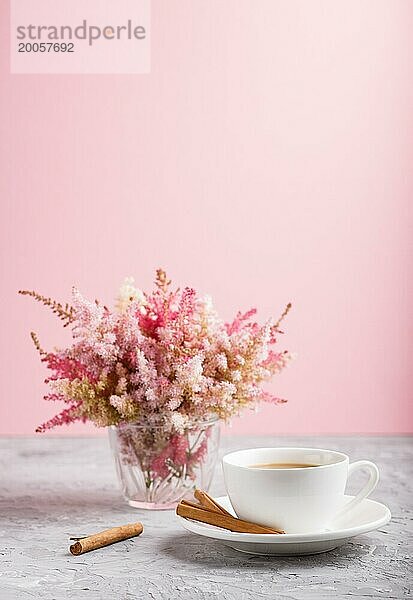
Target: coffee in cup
x=299 y=490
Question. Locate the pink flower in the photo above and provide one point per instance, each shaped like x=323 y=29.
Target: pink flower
x=65 y=367
x=240 y=321
x=173 y=456
x=164 y=359
x=66 y=417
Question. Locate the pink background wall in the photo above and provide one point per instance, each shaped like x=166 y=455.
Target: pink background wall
x=266 y=158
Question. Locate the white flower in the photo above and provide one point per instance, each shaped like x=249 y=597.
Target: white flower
x=128 y=293
x=236 y=375
x=179 y=422
x=189 y=375
x=117 y=402
x=221 y=361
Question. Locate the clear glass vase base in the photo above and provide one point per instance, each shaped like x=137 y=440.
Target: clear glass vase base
x=152 y=505
x=157 y=468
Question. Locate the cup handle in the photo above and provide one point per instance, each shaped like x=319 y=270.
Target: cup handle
x=365 y=490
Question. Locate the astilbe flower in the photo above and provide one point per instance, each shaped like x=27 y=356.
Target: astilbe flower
x=173 y=456
x=163 y=359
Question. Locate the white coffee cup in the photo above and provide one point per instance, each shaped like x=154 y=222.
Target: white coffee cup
x=297 y=500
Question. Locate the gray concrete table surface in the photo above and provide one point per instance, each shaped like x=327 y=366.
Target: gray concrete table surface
x=55 y=487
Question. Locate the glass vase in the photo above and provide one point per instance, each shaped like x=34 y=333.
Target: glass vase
x=156 y=469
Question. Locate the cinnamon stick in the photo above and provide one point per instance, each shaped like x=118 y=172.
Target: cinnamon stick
x=207 y=502
x=106 y=537
x=198 y=513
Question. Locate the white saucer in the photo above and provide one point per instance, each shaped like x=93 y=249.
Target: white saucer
x=367 y=516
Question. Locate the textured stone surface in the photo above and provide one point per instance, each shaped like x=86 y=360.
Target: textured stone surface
x=52 y=488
